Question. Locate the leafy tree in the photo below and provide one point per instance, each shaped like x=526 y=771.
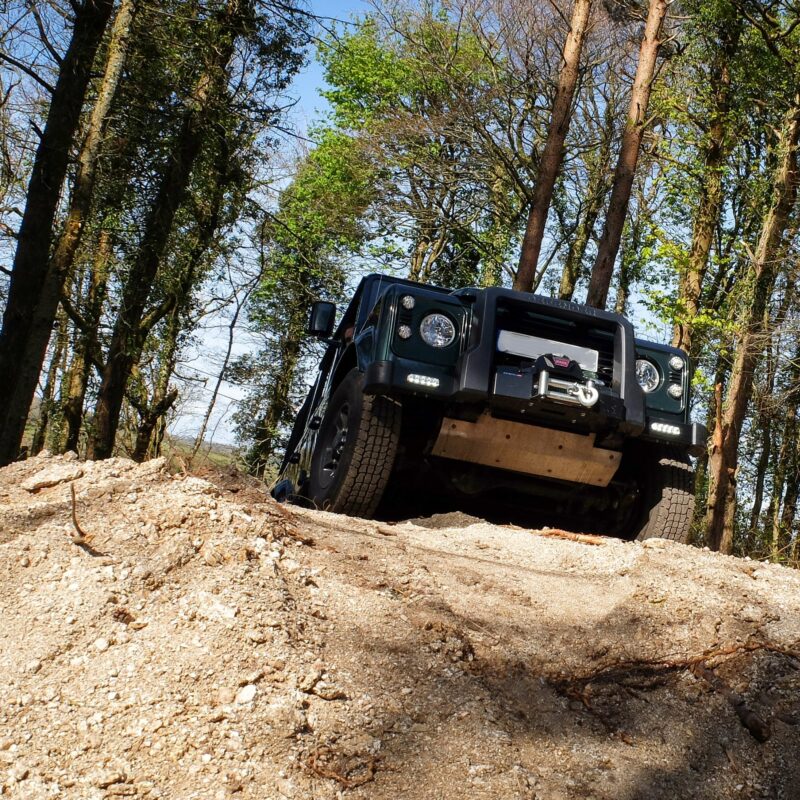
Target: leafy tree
x=307 y=245
x=35 y=287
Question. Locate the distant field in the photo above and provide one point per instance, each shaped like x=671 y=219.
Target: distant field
x=217 y=455
x=175 y=448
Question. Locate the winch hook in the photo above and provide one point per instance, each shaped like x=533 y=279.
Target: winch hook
x=587 y=395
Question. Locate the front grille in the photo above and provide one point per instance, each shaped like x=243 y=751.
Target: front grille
x=519 y=317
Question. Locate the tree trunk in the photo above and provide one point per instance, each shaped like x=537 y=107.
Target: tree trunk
x=163 y=400
x=784 y=475
x=46 y=407
x=628 y=157
x=706 y=217
x=791 y=495
x=35 y=288
x=761 y=471
x=782 y=479
x=765 y=415
x=86 y=346
x=127 y=337
x=553 y=152
x=240 y=305
x=627 y=264
x=162 y=403
x=723 y=457
x=152 y=412
x=80 y=202
x=278 y=407
x=598 y=188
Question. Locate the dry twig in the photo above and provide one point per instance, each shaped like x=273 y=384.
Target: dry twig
x=82 y=539
x=583 y=538
x=618 y=669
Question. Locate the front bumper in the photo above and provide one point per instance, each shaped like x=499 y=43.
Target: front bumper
x=480 y=378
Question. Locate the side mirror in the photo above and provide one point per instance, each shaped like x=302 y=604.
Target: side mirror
x=321 y=319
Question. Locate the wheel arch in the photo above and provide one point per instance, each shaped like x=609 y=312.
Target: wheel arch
x=347 y=362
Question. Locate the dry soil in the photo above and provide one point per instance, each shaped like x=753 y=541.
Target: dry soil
x=186 y=637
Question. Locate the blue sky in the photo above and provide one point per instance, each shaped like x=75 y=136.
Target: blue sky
x=307 y=84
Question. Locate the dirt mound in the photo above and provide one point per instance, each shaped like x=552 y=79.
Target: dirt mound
x=174 y=637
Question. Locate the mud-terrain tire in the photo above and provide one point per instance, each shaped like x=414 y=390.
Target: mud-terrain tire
x=667 y=496
x=355 y=450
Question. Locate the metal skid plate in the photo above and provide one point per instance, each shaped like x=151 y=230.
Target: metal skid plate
x=530 y=449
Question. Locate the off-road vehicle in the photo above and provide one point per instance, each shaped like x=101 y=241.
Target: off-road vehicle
x=494 y=397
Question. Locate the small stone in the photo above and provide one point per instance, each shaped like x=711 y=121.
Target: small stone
x=211 y=608
x=19 y=773
x=52 y=476
x=33 y=666
x=206 y=758
x=101 y=644
x=246 y=694
x=258 y=637
x=24 y=561
x=106 y=778
x=252 y=677
x=225 y=696
x=654 y=544
x=290 y=566
x=310 y=680
x=751 y=614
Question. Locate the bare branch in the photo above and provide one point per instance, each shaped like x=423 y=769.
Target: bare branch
x=27 y=70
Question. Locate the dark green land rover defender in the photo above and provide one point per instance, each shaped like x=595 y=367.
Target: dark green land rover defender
x=492 y=397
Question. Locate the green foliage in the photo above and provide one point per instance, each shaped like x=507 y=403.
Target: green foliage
x=318 y=225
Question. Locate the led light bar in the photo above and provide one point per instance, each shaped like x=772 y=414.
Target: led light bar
x=423 y=380
x=663 y=427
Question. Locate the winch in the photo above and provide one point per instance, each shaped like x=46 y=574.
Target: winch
x=560 y=379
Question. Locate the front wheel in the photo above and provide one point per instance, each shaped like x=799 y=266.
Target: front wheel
x=667 y=496
x=355 y=450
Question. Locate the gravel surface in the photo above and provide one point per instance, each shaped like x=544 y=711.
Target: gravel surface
x=185 y=637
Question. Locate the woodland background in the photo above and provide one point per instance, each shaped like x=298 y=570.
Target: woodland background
x=640 y=156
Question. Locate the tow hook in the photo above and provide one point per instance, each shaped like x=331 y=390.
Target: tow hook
x=587 y=395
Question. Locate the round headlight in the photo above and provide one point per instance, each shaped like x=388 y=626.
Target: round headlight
x=437 y=330
x=647 y=375
x=407 y=301
x=404 y=332
x=676 y=363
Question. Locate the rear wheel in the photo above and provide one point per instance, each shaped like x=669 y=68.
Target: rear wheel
x=355 y=450
x=667 y=496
